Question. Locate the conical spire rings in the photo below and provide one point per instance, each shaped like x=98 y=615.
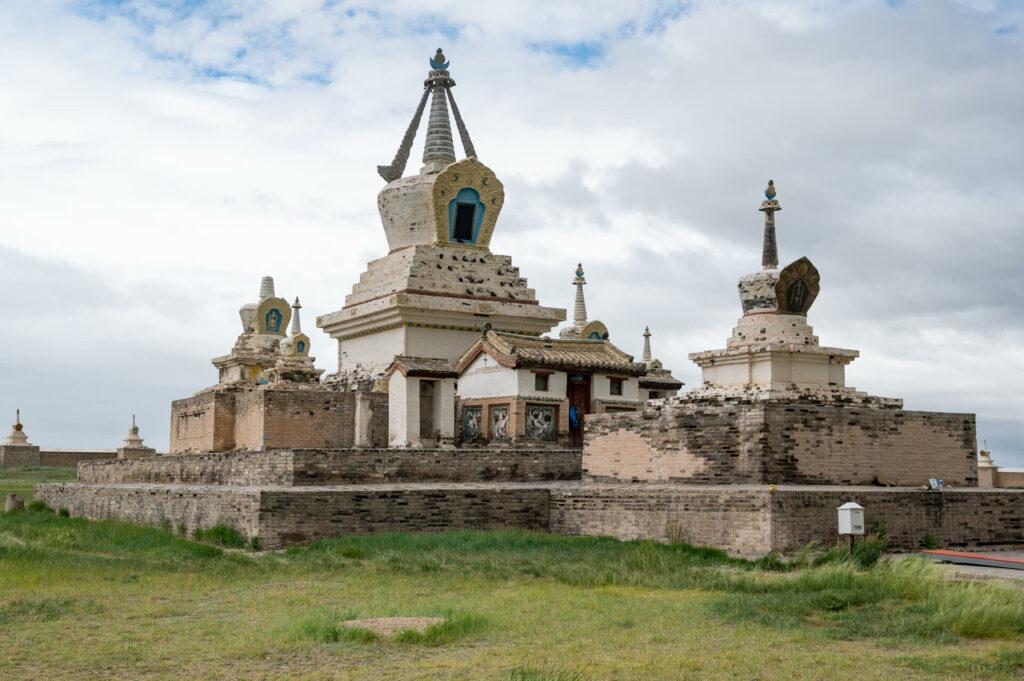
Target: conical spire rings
x=439 y=146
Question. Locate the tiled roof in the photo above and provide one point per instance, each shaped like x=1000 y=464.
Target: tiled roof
x=423 y=366
x=660 y=379
x=548 y=353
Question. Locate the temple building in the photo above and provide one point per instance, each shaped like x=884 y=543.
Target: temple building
x=532 y=391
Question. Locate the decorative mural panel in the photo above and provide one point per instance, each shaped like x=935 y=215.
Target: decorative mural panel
x=472 y=424
x=500 y=423
x=273 y=320
x=797 y=287
x=540 y=423
x=487 y=195
x=272 y=316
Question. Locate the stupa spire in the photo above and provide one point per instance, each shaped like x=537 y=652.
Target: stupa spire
x=267 y=288
x=769 y=251
x=647 y=345
x=439 y=147
x=579 y=314
x=17 y=437
x=296 y=325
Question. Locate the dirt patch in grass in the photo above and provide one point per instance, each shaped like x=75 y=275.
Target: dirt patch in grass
x=386 y=626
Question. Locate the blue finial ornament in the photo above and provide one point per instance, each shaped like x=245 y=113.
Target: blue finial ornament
x=579 y=270
x=769 y=193
x=438 y=61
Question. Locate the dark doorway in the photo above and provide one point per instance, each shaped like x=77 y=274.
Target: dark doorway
x=578 y=392
x=427 y=425
x=464 y=214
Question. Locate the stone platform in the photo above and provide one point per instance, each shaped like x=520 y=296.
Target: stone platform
x=284 y=516
x=311 y=467
x=298 y=496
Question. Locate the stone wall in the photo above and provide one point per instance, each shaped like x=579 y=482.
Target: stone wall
x=61 y=457
x=738 y=440
x=334 y=467
x=745 y=520
x=220 y=421
x=203 y=423
x=1009 y=478
x=302 y=515
x=750 y=520
x=284 y=517
x=960 y=517
x=194 y=506
x=736 y=519
x=18 y=455
x=223 y=468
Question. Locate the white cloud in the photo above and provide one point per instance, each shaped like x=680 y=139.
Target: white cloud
x=155 y=162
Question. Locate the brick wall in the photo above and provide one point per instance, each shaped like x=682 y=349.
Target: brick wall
x=299 y=516
x=751 y=520
x=224 y=468
x=1005 y=478
x=190 y=505
x=19 y=455
x=735 y=519
x=220 y=421
x=71 y=458
x=956 y=517
x=334 y=467
x=203 y=423
x=737 y=441
x=744 y=520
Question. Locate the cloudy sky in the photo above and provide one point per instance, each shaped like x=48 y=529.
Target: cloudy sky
x=158 y=158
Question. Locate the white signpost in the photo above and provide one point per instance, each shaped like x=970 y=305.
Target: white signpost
x=851 y=521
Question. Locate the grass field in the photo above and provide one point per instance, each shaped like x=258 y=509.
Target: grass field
x=84 y=600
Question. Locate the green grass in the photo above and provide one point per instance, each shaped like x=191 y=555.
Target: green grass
x=22 y=480
x=81 y=600
x=221 y=535
x=527 y=673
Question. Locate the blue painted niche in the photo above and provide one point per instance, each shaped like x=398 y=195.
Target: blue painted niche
x=465 y=215
x=273 y=321
x=301 y=347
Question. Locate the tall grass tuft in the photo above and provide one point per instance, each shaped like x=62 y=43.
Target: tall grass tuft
x=322 y=626
x=456 y=625
x=221 y=535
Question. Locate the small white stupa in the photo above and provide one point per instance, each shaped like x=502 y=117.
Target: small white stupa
x=17 y=451
x=132 y=445
x=17 y=436
x=582 y=328
x=773 y=350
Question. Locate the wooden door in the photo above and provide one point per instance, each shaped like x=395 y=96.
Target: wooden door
x=578 y=392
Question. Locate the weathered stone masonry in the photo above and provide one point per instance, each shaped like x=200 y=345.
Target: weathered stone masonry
x=219 y=421
x=746 y=520
x=337 y=467
x=283 y=516
x=751 y=520
x=736 y=440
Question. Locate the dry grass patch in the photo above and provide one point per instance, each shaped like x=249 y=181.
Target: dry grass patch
x=386 y=626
